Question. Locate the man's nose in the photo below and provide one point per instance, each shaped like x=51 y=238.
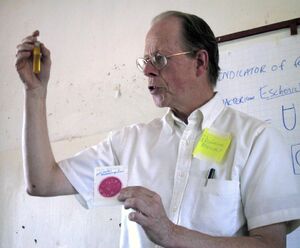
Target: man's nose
x=150 y=70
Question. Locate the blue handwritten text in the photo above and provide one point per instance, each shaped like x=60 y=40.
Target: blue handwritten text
x=267 y=92
x=237 y=100
x=242 y=72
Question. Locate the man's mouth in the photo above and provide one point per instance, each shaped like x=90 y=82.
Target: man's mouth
x=151 y=88
x=154 y=90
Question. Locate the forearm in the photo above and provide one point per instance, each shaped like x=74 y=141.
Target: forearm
x=265 y=238
x=38 y=158
x=190 y=239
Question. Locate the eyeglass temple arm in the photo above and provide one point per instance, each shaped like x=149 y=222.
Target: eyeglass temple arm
x=176 y=54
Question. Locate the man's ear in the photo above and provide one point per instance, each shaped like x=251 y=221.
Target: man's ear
x=202 y=61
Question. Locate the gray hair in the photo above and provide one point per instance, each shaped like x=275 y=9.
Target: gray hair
x=197 y=35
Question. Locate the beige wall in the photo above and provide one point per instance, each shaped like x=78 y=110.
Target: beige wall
x=94 y=44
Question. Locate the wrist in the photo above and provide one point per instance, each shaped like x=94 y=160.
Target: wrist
x=38 y=93
x=174 y=236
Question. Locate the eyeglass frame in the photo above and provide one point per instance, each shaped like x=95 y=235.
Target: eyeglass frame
x=150 y=58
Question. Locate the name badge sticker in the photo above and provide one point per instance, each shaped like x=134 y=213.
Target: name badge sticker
x=212 y=145
x=108 y=182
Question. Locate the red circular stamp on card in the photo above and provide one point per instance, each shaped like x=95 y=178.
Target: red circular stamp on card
x=110 y=186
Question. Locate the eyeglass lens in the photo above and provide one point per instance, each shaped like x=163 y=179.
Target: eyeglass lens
x=158 y=61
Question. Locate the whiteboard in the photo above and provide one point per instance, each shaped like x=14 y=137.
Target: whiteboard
x=262 y=78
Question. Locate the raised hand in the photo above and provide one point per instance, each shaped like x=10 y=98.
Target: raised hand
x=24 y=60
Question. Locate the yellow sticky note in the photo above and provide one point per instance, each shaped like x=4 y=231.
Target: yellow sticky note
x=212 y=145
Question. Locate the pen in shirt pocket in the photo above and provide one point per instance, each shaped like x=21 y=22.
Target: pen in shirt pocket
x=210 y=175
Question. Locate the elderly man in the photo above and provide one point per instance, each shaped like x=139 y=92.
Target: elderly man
x=170 y=201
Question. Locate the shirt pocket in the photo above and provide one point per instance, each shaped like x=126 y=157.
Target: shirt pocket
x=218 y=208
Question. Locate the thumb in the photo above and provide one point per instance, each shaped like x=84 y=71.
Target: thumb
x=45 y=54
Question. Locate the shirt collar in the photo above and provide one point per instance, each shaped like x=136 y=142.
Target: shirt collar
x=206 y=114
x=211 y=110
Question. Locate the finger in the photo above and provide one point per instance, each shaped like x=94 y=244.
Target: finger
x=20 y=64
x=21 y=57
x=135 y=191
x=25 y=47
x=30 y=46
x=31 y=38
x=139 y=218
x=36 y=33
x=138 y=204
x=45 y=52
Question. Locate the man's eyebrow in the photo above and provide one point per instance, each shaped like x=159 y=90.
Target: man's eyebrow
x=153 y=53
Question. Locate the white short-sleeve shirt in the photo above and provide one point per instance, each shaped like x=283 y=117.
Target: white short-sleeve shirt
x=254 y=186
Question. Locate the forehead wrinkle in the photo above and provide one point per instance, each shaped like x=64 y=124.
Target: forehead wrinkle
x=153 y=45
x=164 y=36
x=163 y=45
x=150 y=47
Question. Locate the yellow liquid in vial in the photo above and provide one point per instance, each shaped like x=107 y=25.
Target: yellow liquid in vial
x=36 y=58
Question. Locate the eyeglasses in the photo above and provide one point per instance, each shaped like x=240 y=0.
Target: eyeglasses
x=158 y=60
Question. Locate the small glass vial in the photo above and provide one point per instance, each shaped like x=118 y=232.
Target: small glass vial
x=36 y=58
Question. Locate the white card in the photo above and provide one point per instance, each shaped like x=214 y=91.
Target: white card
x=108 y=182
